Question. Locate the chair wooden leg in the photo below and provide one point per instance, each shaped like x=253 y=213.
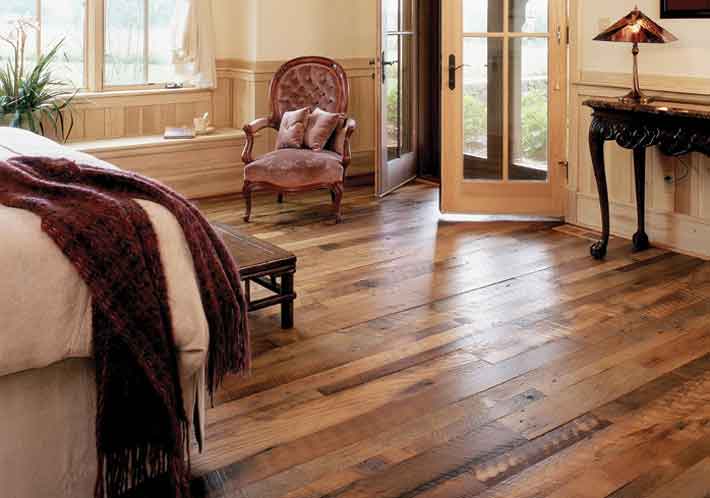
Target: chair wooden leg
x=280 y=198
x=337 y=193
x=246 y=192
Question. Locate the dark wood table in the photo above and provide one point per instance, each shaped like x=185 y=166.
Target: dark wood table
x=676 y=129
x=266 y=265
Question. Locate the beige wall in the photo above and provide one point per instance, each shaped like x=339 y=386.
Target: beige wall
x=686 y=57
x=255 y=36
x=235 y=28
x=276 y=30
x=678 y=212
x=332 y=28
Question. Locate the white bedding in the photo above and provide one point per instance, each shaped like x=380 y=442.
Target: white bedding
x=45 y=306
x=48 y=398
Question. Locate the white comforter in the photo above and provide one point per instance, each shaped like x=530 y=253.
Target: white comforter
x=45 y=307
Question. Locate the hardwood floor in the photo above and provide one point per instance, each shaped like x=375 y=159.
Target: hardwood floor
x=434 y=359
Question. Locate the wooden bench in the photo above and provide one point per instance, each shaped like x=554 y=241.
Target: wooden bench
x=264 y=264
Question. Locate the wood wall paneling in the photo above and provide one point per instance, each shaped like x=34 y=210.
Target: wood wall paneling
x=212 y=167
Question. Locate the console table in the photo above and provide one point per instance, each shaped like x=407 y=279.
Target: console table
x=676 y=129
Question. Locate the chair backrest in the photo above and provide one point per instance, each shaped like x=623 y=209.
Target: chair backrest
x=309 y=81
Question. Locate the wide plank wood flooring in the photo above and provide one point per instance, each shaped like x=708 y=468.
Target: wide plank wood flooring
x=434 y=359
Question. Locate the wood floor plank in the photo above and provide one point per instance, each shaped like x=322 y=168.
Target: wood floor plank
x=447 y=360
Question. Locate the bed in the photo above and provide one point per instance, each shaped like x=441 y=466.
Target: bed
x=47 y=385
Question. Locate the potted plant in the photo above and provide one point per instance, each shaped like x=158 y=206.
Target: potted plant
x=31 y=98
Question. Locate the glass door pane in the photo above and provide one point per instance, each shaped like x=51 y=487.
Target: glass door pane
x=406 y=94
x=398 y=62
x=398 y=120
x=528 y=109
x=393 y=102
x=505 y=90
x=483 y=108
x=528 y=16
x=482 y=16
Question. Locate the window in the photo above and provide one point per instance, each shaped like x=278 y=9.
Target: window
x=138 y=41
x=136 y=35
x=57 y=20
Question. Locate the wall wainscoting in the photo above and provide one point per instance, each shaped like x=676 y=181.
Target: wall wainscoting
x=677 y=189
x=126 y=128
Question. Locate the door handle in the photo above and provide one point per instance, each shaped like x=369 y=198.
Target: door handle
x=452 y=71
x=384 y=63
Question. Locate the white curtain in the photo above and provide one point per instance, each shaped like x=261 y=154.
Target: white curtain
x=194 y=51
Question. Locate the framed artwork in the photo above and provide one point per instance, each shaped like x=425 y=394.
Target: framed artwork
x=685 y=9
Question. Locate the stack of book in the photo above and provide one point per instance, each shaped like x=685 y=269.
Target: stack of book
x=175 y=133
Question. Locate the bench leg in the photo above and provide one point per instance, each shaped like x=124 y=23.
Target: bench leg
x=287 y=307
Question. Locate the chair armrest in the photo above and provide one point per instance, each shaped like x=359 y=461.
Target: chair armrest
x=251 y=130
x=350 y=126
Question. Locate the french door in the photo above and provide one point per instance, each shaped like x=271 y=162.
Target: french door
x=503 y=106
x=397 y=158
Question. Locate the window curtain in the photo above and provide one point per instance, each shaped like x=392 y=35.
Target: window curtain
x=194 y=51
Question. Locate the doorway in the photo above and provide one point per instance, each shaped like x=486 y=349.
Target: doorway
x=503 y=97
x=408 y=76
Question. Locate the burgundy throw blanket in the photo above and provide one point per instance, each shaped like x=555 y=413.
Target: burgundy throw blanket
x=90 y=213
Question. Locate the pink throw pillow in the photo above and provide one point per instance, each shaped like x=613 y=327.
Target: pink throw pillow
x=292 y=130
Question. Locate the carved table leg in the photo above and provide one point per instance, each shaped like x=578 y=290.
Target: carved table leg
x=596 y=146
x=640 y=238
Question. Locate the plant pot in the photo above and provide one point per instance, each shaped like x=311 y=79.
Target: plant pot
x=7 y=119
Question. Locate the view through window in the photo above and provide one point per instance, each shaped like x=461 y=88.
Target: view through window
x=138 y=41
x=57 y=21
x=137 y=36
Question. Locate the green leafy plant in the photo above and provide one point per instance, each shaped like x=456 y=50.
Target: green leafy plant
x=32 y=98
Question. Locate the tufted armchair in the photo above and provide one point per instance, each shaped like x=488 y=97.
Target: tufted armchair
x=306 y=81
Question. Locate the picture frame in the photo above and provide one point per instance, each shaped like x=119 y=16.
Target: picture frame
x=685 y=9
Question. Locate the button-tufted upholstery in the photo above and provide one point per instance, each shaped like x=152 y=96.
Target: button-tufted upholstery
x=303 y=82
x=312 y=85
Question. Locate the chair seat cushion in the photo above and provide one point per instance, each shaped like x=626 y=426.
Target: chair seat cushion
x=296 y=168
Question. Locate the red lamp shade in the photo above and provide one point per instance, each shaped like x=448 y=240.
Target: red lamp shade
x=636 y=27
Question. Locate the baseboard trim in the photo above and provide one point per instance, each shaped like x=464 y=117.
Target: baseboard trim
x=360 y=180
x=673 y=231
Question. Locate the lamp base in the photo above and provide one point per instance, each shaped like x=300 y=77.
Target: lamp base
x=637 y=97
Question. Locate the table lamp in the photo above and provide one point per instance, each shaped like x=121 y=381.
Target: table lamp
x=636 y=28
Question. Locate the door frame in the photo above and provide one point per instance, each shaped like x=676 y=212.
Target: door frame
x=503 y=197
x=382 y=188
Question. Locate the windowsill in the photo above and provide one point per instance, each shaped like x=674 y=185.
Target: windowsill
x=152 y=142
x=86 y=95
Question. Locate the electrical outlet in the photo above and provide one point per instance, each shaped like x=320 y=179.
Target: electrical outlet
x=669 y=179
